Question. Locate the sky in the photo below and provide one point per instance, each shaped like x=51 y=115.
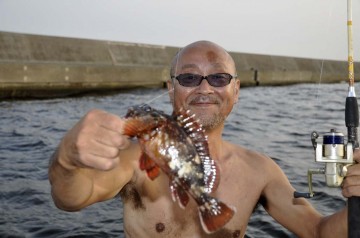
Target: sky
x=298 y=28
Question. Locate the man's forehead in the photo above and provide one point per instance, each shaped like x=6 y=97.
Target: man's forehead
x=210 y=52
x=202 y=54
x=197 y=66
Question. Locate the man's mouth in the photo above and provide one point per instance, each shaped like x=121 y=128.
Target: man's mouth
x=204 y=100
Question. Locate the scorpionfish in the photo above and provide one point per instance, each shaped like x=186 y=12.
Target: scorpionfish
x=178 y=146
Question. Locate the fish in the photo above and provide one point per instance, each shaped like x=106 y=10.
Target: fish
x=177 y=145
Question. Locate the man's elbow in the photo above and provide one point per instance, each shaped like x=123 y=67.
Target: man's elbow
x=66 y=204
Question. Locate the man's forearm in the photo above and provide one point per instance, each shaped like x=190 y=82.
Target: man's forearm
x=70 y=187
x=334 y=225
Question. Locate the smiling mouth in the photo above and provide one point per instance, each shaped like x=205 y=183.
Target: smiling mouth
x=204 y=100
x=203 y=104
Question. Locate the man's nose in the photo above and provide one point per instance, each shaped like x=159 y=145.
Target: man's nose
x=205 y=86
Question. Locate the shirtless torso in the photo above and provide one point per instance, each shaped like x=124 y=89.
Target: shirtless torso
x=150 y=212
x=95 y=161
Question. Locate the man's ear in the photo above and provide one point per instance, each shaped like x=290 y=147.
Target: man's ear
x=170 y=87
x=237 y=90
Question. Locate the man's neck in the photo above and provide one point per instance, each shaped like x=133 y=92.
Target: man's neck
x=215 y=142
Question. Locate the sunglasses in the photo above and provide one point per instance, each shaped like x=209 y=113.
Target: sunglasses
x=193 y=80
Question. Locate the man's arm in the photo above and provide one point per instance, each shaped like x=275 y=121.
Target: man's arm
x=336 y=225
x=92 y=163
x=297 y=214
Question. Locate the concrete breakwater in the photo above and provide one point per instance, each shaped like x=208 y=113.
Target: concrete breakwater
x=47 y=66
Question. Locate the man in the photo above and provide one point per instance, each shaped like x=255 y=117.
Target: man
x=95 y=162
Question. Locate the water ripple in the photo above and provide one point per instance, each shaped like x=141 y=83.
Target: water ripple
x=272 y=120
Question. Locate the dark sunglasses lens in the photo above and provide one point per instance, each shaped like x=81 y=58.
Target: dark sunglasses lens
x=219 y=80
x=189 y=80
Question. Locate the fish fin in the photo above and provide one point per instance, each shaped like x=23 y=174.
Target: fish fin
x=212 y=175
x=183 y=197
x=140 y=126
x=174 y=195
x=196 y=133
x=214 y=215
x=132 y=127
x=146 y=163
x=153 y=172
x=179 y=194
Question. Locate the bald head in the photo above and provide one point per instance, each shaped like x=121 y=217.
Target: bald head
x=211 y=104
x=209 y=52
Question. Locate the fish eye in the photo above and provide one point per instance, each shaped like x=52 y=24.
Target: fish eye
x=145 y=107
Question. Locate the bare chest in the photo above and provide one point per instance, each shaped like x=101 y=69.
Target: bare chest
x=149 y=211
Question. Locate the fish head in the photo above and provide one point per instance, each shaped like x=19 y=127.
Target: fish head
x=143 y=119
x=139 y=111
x=144 y=110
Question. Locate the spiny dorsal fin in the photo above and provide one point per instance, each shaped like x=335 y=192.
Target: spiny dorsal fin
x=196 y=133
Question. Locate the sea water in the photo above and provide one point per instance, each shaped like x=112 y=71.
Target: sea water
x=276 y=121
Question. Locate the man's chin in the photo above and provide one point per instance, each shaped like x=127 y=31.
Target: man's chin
x=209 y=120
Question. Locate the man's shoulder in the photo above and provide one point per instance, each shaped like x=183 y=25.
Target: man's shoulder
x=251 y=157
x=245 y=152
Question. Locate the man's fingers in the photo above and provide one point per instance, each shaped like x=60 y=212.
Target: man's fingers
x=107 y=152
x=100 y=162
x=350 y=190
x=124 y=143
x=111 y=122
x=353 y=170
x=111 y=138
x=357 y=155
x=351 y=183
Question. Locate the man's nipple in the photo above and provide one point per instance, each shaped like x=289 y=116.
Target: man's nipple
x=160 y=227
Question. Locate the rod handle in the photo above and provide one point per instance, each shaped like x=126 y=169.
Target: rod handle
x=353 y=217
x=352 y=120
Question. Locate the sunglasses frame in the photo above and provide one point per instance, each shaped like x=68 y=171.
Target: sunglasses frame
x=205 y=77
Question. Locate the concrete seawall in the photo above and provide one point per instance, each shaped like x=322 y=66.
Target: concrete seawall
x=43 y=66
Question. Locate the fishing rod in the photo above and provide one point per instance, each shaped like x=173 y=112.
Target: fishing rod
x=333 y=151
x=352 y=123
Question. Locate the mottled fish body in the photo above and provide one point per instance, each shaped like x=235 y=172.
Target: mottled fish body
x=178 y=146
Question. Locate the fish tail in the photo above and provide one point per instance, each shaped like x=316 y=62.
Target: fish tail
x=214 y=214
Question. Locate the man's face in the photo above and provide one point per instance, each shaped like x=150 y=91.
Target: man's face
x=210 y=104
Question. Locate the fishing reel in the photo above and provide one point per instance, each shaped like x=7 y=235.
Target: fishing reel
x=337 y=156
